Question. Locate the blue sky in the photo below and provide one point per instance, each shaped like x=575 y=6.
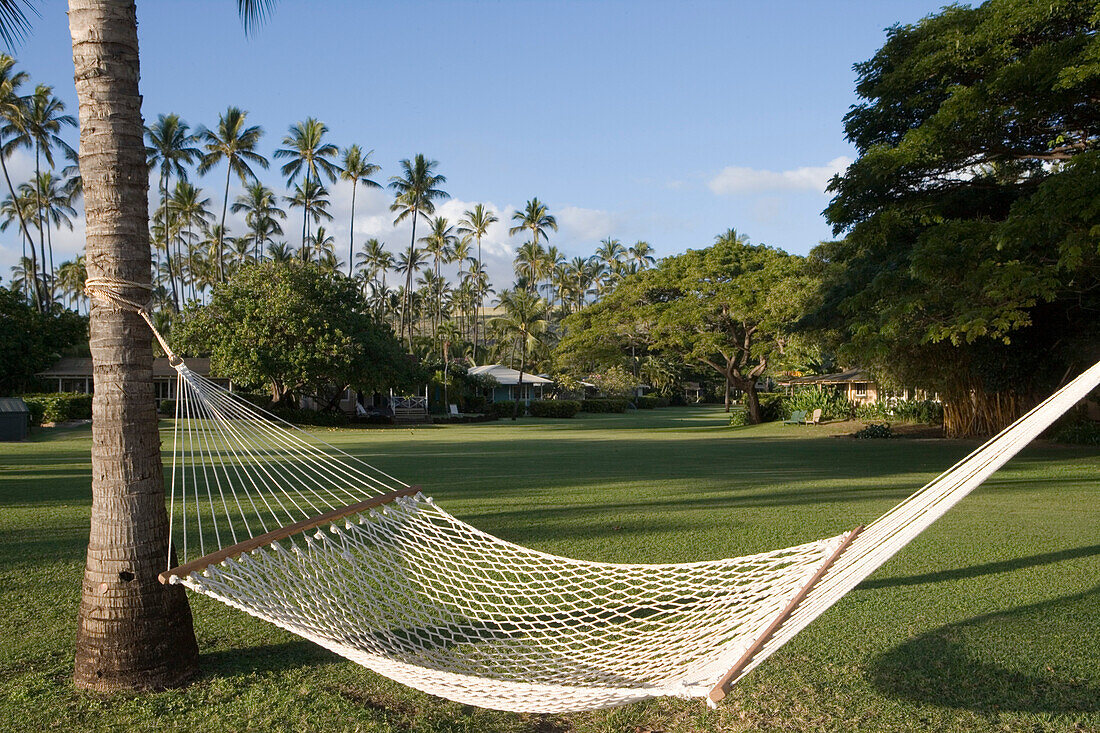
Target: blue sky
x=668 y=122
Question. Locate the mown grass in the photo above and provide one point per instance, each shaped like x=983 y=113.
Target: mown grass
x=988 y=621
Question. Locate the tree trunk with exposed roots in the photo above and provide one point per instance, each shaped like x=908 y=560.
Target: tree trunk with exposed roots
x=134 y=633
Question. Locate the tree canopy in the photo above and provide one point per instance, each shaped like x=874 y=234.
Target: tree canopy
x=296 y=328
x=31 y=341
x=972 y=251
x=726 y=308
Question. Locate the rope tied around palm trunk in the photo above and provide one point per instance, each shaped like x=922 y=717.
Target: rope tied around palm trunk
x=110 y=291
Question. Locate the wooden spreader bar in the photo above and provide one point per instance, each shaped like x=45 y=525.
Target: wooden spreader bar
x=722 y=688
x=282 y=533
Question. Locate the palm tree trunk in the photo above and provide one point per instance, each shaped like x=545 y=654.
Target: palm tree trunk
x=133 y=632
x=22 y=222
x=41 y=228
x=406 y=315
x=167 y=244
x=221 y=232
x=351 y=236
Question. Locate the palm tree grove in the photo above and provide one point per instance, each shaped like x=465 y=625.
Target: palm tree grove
x=458 y=366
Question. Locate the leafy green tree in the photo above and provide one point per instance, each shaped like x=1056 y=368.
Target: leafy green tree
x=296 y=328
x=970 y=265
x=236 y=144
x=726 y=308
x=31 y=341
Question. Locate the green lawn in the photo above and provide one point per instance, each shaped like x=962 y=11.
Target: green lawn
x=988 y=621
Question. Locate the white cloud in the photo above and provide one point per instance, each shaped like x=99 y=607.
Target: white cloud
x=587 y=224
x=738 y=179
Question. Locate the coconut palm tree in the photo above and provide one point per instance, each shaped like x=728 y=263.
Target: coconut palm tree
x=610 y=256
x=439 y=244
x=280 y=252
x=528 y=263
x=357 y=167
x=415 y=192
x=409 y=262
x=731 y=236
x=20 y=208
x=171 y=146
x=133 y=632
x=374 y=260
x=311 y=198
x=44 y=118
x=524 y=325
x=477 y=223
x=537 y=218
x=261 y=214
x=57 y=208
x=641 y=254
x=191 y=211
x=236 y=144
x=308 y=154
x=13 y=121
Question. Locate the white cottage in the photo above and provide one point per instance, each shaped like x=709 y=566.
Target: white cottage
x=508 y=386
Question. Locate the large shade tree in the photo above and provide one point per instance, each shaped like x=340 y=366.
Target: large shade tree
x=971 y=261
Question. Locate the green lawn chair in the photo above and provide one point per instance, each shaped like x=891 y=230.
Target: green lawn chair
x=797 y=418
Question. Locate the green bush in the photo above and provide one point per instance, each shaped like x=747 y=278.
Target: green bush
x=832 y=404
x=918 y=411
x=648 y=402
x=167 y=407
x=58 y=406
x=554 y=408
x=605 y=404
x=327 y=419
x=1081 y=432
x=504 y=408
x=873 y=431
x=474 y=403
x=739 y=418
x=771 y=406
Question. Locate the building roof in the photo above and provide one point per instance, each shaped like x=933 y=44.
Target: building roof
x=507 y=376
x=76 y=368
x=845 y=377
x=12 y=404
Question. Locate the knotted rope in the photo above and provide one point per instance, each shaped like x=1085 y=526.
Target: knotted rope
x=110 y=291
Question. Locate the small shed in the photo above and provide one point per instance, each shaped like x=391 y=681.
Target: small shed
x=15 y=419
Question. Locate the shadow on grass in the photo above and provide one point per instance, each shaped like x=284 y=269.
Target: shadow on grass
x=1003 y=566
x=266 y=658
x=943 y=668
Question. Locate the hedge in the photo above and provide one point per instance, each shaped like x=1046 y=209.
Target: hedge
x=504 y=408
x=58 y=406
x=648 y=402
x=554 y=408
x=605 y=404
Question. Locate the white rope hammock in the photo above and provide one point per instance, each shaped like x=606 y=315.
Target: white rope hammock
x=276 y=522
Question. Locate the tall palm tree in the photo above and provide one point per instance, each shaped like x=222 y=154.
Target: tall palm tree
x=731 y=236
x=535 y=217
x=133 y=632
x=57 y=208
x=308 y=154
x=641 y=253
x=477 y=223
x=374 y=260
x=311 y=198
x=280 y=252
x=191 y=210
x=261 y=214
x=415 y=194
x=357 y=168
x=528 y=263
x=13 y=120
x=44 y=120
x=171 y=146
x=409 y=262
x=610 y=256
x=524 y=325
x=20 y=207
x=234 y=143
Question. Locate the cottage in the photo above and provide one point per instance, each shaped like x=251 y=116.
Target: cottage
x=855 y=384
x=75 y=375
x=508 y=386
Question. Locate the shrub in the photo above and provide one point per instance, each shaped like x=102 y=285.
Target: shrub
x=474 y=403
x=504 y=408
x=58 y=406
x=605 y=404
x=771 y=406
x=919 y=411
x=832 y=404
x=327 y=419
x=554 y=408
x=739 y=418
x=875 y=431
x=648 y=402
x=167 y=407
x=1081 y=432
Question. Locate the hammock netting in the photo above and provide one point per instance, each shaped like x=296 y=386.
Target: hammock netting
x=415 y=594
